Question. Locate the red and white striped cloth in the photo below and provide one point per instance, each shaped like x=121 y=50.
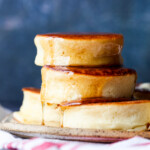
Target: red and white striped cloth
x=8 y=141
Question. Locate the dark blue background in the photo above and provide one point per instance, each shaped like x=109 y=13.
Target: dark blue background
x=21 y=20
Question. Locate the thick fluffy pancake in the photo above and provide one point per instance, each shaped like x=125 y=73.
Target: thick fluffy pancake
x=127 y=115
x=142 y=91
x=52 y=115
x=79 y=49
x=117 y=115
x=31 y=109
x=61 y=84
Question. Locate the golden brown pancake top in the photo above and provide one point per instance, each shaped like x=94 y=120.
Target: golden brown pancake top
x=31 y=89
x=94 y=100
x=111 y=71
x=83 y=35
x=119 y=101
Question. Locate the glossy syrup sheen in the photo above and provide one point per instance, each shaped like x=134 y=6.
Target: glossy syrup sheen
x=94 y=100
x=103 y=101
x=111 y=71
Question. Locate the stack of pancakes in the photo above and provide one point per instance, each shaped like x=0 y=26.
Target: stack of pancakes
x=83 y=85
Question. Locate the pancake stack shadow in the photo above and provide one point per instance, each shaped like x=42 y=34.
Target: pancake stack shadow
x=83 y=85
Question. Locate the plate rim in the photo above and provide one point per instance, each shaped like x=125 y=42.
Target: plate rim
x=88 y=135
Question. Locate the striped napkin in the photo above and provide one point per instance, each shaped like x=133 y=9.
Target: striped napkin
x=8 y=141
